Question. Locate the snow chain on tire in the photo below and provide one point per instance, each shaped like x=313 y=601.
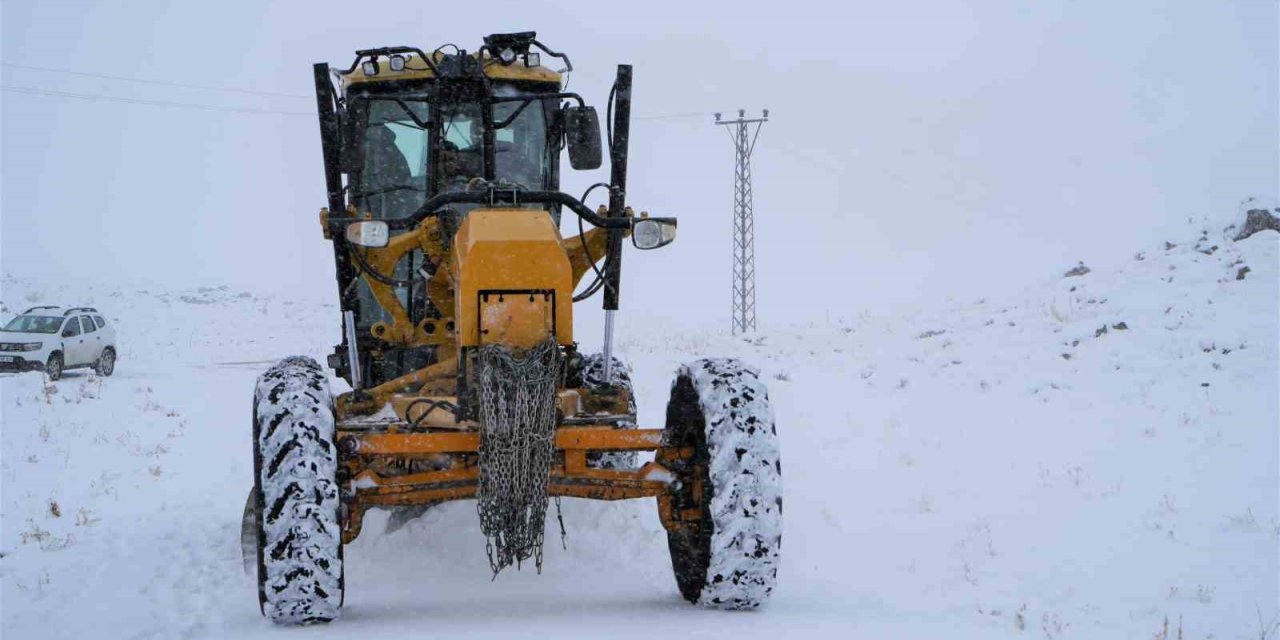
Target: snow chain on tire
x=589 y=374
x=721 y=409
x=300 y=577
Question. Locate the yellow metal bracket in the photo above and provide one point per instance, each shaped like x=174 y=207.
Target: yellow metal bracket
x=401 y=330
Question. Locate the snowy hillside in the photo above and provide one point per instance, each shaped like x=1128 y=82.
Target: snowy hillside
x=1096 y=458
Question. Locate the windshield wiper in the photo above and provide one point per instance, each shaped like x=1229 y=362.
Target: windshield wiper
x=400 y=102
x=388 y=189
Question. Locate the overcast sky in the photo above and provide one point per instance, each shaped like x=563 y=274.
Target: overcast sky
x=917 y=149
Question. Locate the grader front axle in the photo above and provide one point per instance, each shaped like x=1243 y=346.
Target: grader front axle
x=457 y=475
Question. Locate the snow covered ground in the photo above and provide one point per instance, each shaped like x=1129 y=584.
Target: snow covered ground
x=1096 y=458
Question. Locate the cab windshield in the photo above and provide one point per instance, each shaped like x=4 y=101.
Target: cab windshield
x=397 y=151
x=521 y=158
x=402 y=131
x=521 y=153
x=34 y=324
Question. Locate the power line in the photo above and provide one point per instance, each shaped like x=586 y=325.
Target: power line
x=165 y=83
x=154 y=103
x=669 y=116
x=209 y=107
x=255 y=92
x=657 y=116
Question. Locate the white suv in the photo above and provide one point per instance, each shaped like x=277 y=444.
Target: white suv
x=53 y=340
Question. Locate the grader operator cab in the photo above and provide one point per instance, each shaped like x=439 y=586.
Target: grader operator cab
x=457 y=295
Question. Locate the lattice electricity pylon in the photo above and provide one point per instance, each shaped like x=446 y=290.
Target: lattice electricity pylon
x=744 y=251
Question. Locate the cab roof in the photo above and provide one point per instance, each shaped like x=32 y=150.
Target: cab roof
x=414 y=69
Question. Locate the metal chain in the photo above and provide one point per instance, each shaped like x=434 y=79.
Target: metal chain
x=517 y=447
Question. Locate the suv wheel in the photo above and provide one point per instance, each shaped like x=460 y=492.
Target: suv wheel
x=53 y=368
x=106 y=362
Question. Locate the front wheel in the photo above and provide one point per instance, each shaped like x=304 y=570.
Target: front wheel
x=296 y=502
x=728 y=557
x=53 y=368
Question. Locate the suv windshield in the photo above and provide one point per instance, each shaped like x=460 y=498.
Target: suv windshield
x=34 y=324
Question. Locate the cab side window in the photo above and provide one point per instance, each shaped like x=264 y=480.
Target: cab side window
x=72 y=328
x=101 y=323
x=86 y=323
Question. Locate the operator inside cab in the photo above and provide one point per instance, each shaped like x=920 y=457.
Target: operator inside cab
x=458 y=167
x=393 y=177
x=389 y=189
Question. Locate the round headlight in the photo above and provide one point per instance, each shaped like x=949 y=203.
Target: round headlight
x=507 y=56
x=397 y=63
x=646 y=234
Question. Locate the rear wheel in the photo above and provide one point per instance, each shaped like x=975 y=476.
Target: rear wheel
x=295 y=510
x=106 y=363
x=53 y=367
x=589 y=374
x=729 y=557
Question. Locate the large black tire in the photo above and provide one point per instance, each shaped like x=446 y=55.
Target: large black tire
x=299 y=540
x=721 y=409
x=588 y=373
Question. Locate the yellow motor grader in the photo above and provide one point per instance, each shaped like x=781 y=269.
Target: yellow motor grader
x=457 y=293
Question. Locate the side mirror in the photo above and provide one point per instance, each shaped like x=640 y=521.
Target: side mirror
x=651 y=233
x=582 y=131
x=67 y=333
x=370 y=233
